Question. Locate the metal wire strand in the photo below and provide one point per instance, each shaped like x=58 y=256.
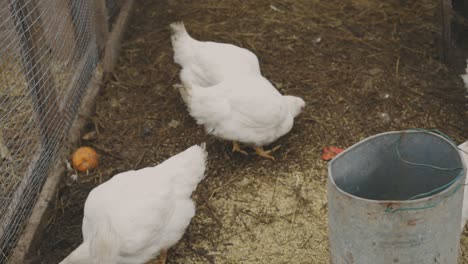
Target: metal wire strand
x=48 y=55
x=436 y=190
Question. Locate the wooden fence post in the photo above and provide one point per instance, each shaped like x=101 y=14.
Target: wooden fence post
x=101 y=21
x=446 y=15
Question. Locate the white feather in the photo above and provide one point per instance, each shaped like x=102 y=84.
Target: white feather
x=136 y=214
x=206 y=63
x=248 y=109
x=465 y=76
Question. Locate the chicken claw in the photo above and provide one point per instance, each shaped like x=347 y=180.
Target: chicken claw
x=236 y=148
x=266 y=153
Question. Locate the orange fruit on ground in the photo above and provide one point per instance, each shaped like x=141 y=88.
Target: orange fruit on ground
x=85 y=158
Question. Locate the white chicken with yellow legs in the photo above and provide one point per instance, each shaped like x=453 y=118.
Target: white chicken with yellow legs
x=137 y=215
x=464 y=152
x=248 y=110
x=225 y=92
x=206 y=63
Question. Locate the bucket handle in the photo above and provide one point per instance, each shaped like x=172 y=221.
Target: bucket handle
x=421 y=195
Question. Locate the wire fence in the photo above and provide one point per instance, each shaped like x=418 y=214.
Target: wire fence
x=48 y=54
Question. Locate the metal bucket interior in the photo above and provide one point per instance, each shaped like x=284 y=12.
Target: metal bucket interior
x=372 y=169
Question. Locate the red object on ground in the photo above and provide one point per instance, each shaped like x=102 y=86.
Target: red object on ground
x=330 y=152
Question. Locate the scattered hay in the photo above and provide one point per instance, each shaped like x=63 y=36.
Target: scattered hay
x=351 y=61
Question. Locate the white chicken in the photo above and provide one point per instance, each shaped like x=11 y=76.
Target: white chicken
x=206 y=63
x=464 y=153
x=465 y=76
x=225 y=92
x=248 y=110
x=138 y=214
x=465 y=80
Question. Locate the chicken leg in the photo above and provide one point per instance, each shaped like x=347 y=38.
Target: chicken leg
x=161 y=258
x=236 y=148
x=266 y=153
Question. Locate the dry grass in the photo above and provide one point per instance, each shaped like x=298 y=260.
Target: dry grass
x=22 y=152
x=19 y=136
x=373 y=57
x=19 y=129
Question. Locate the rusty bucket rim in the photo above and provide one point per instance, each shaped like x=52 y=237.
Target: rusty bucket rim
x=424 y=199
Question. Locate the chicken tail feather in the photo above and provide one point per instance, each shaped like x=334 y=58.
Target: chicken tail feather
x=178 y=30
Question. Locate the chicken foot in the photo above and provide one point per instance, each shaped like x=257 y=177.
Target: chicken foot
x=266 y=153
x=161 y=258
x=236 y=148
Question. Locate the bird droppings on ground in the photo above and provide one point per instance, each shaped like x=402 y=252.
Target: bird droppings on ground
x=251 y=210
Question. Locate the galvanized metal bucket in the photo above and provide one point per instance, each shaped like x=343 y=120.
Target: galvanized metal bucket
x=396 y=197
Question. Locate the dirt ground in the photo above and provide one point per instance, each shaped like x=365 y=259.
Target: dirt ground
x=362 y=66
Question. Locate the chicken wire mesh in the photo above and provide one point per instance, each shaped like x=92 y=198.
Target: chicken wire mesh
x=48 y=55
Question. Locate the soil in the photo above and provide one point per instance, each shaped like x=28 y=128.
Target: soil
x=362 y=66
